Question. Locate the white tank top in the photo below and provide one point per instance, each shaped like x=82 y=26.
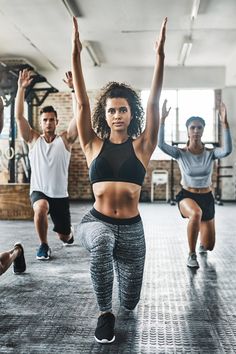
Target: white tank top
x=49 y=167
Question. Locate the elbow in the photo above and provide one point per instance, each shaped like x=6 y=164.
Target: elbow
x=229 y=152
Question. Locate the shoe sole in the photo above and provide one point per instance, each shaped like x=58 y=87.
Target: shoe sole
x=42 y=258
x=104 y=341
x=192 y=266
x=18 y=273
x=66 y=244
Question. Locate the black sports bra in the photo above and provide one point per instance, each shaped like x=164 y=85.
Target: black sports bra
x=117 y=162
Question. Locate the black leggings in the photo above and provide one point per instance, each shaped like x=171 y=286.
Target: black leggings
x=120 y=242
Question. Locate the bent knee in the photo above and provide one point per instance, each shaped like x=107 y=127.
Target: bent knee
x=104 y=242
x=41 y=207
x=196 y=214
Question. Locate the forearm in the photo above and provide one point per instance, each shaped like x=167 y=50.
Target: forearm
x=227 y=147
x=152 y=121
x=157 y=80
x=168 y=149
x=20 y=97
x=78 y=79
x=74 y=103
x=23 y=124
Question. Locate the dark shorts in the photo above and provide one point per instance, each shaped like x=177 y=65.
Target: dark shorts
x=59 y=210
x=205 y=201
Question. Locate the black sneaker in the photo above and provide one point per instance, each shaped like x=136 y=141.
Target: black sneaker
x=71 y=239
x=44 y=252
x=69 y=242
x=104 y=332
x=19 y=265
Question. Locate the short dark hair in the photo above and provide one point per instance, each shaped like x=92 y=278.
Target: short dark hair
x=191 y=119
x=47 y=109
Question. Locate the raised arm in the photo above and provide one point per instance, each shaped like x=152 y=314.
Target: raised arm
x=1 y=114
x=84 y=125
x=27 y=133
x=152 y=114
x=226 y=149
x=71 y=133
x=168 y=149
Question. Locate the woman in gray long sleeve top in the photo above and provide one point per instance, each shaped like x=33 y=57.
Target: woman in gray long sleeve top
x=195 y=200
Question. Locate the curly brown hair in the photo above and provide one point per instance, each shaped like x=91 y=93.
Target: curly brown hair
x=118 y=90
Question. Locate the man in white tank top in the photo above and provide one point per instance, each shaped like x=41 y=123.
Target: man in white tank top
x=16 y=254
x=49 y=158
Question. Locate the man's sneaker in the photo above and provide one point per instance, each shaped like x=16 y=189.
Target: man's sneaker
x=192 y=261
x=69 y=242
x=202 y=249
x=104 y=332
x=19 y=265
x=71 y=239
x=44 y=252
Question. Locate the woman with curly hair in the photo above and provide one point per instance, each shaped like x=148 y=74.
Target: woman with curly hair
x=117 y=153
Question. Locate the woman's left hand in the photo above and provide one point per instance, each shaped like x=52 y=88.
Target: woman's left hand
x=159 y=44
x=76 y=43
x=223 y=113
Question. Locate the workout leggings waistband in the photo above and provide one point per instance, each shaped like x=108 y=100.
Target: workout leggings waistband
x=115 y=221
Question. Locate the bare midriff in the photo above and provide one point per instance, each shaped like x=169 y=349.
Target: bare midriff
x=117 y=199
x=198 y=190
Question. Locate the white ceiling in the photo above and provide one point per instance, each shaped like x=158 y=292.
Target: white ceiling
x=123 y=33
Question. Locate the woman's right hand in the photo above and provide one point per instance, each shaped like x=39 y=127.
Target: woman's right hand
x=68 y=80
x=76 y=44
x=165 y=111
x=24 y=79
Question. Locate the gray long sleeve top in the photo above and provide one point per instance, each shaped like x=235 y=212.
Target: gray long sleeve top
x=196 y=169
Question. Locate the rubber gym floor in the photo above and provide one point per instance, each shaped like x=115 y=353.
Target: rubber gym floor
x=51 y=308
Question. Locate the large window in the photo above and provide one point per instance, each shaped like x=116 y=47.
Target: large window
x=184 y=104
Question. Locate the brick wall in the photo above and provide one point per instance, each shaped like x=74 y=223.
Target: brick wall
x=79 y=186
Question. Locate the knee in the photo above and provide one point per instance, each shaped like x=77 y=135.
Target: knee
x=41 y=208
x=104 y=243
x=196 y=215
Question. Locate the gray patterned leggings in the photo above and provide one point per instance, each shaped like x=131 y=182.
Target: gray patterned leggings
x=114 y=241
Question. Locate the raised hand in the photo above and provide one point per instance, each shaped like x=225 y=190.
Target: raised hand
x=165 y=111
x=159 y=44
x=68 y=80
x=76 y=44
x=223 y=113
x=25 y=79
